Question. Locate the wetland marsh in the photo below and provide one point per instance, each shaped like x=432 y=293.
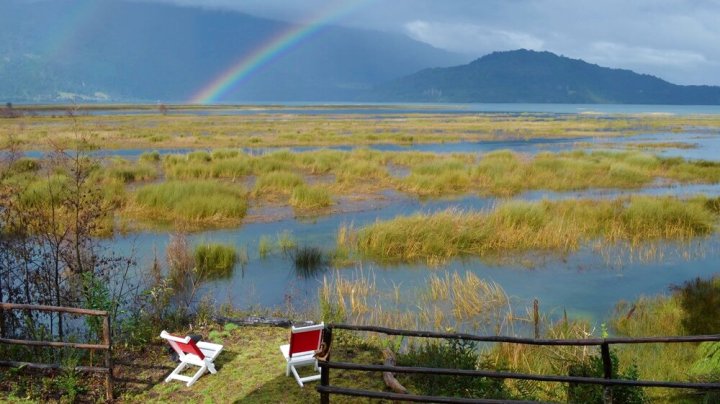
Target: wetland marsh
x=573 y=209
x=417 y=218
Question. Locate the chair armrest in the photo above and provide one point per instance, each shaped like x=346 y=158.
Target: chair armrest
x=209 y=345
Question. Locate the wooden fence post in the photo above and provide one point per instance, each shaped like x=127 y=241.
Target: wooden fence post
x=536 y=317
x=107 y=340
x=324 y=370
x=607 y=371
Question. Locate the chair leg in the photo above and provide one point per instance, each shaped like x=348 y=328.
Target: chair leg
x=287 y=369
x=211 y=368
x=175 y=372
x=297 y=376
x=197 y=375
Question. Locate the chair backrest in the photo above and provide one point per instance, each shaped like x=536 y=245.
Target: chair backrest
x=305 y=339
x=183 y=346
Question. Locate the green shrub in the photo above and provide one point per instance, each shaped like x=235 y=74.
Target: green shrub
x=700 y=299
x=453 y=354
x=24 y=165
x=592 y=393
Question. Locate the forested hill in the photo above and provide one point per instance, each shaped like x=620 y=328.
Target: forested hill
x=111 y=50
x=524 y=76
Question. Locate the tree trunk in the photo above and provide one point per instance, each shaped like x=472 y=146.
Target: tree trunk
x=388 y=377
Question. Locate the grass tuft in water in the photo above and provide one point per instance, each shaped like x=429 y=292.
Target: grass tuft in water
x=215 y=261
x=518 y=226
x=307 y=197
x=286 y=241
x=309 y=261
x=265 y=246
x=200 y=202
x=282 y=182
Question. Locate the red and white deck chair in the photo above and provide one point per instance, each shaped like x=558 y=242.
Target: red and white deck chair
x=200 y=354
x=304 y=341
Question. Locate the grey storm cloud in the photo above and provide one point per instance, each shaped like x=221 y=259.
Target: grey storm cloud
x=676 y=40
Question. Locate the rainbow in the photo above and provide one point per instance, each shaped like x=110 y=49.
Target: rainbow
x=69 y=26
x=269 y=50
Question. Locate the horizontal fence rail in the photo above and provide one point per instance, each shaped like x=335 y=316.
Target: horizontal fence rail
x=526 y=341
x=607 y=381
x=105 y=346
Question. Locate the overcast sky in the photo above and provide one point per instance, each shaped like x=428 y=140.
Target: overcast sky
x=677 y=40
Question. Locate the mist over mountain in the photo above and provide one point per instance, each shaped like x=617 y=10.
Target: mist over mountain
x=524 y=76
x=134 y=51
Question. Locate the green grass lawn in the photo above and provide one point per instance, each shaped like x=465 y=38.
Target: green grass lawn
x=251 y=369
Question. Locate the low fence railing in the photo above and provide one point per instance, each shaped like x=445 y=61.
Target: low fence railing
x=105 y=346
x=326 y=389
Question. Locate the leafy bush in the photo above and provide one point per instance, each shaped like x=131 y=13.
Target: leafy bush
x=590 y=393
x=700 y=299
x=454 y=354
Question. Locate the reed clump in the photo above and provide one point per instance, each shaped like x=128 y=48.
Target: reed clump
x=281 y=160
x=198 y=202
x=307 y=197
x=473 y=302
x=321 y=161
x=437 y=178
x=454 y=301
x=286 y=242
x=265 y=246
x=219 y=164
x=126 y=171
x=309 y=260
x=278 y=182
x=214 y=260
x=358 y=170
x=517 y=226
x=506 y=173
x=150 y=157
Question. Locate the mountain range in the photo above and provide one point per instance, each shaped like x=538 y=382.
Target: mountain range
x=524 y=76
x=139 y=51
x=131 y=51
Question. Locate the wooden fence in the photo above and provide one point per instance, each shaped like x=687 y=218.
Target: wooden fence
x=326 y=389
x=105 y=346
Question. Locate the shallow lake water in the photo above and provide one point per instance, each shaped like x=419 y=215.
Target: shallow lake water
x=586 y=283
x=324 y=108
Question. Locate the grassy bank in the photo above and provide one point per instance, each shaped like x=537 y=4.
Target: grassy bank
x=251 y=369
x=560 y=226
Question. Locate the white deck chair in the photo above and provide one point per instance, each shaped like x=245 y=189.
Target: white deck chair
x=304 y=341
x=200 y=354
